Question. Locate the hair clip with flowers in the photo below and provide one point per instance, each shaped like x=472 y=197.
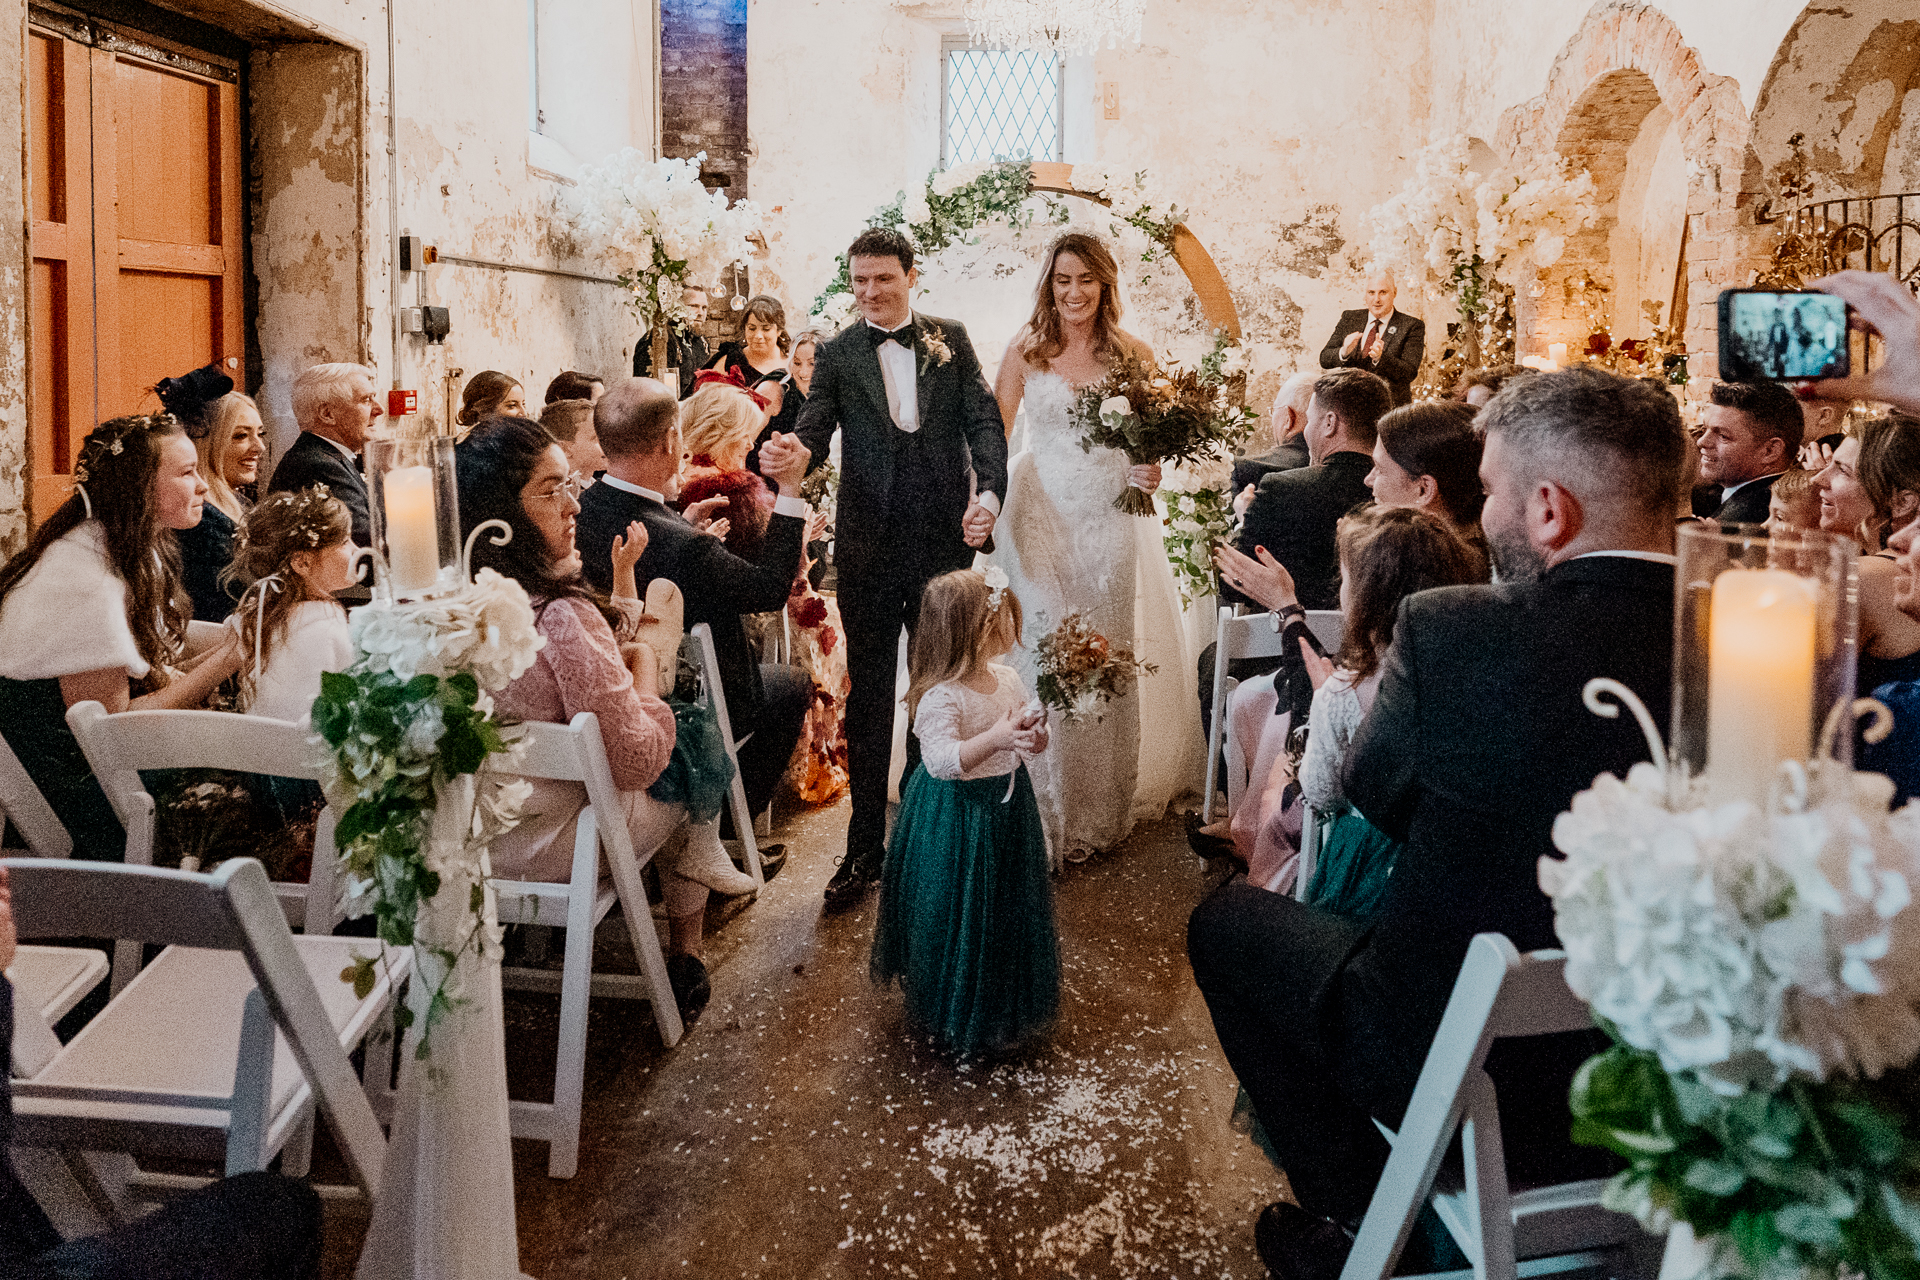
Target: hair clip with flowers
x=996 y=586
x=109 y=439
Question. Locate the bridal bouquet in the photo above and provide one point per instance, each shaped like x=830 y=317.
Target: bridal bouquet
x=1759 y=974
x=1153 y=415
x=1080 y=669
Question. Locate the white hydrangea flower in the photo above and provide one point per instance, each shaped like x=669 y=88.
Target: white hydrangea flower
x=917 y=211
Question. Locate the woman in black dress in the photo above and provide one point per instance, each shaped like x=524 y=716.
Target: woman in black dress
x=226 y=432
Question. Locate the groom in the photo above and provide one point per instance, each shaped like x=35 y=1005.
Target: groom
x=923 y=471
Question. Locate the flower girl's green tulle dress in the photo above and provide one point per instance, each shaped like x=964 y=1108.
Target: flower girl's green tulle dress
x=966 y=906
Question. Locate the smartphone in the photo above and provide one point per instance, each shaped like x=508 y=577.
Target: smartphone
x=1769 y=335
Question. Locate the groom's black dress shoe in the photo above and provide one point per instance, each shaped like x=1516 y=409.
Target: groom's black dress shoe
x=851 y=882
x=1296 y=1245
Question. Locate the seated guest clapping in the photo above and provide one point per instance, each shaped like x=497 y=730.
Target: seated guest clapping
x=1477 y=740
x=510 y=469
x=718 y=424
x=93 y=610
x=294 y=553
x=639 y=426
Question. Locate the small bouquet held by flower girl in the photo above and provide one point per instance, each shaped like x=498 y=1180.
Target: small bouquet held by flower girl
x=1079 y=668
x=1158 y=415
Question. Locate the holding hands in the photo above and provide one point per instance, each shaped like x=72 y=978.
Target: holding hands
x=783 y=461
x=977 y=524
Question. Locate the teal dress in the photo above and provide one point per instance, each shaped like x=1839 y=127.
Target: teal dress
x=966 y=906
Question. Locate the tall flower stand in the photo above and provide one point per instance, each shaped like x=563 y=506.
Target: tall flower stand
x=445 y=1208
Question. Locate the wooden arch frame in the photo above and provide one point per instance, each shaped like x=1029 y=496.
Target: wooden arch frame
x=1209 y=286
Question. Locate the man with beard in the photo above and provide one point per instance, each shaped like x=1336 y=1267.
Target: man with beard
x=1477 y=739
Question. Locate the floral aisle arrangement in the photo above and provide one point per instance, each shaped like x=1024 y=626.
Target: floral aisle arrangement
x=413 y=755
x=1662 y=354
x=1079 y=668
x=662 y=229
x=1472 y=239
x=1182 y=416
x=1759 y=973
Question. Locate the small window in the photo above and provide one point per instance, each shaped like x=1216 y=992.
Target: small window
x=999 y=104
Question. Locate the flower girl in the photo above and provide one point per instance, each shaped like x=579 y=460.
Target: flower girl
x=294 y=552
x=966 y=909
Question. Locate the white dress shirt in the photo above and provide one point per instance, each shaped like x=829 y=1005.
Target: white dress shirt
x=783 y=504
x=903 y=382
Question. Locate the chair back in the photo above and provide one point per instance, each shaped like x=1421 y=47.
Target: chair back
x=1500 y=993
x=576 y=752
x=22 y=804
x=1329 y=627
x=709 y=664
x=119 y=746
x=230 y=909
x=1238 y=637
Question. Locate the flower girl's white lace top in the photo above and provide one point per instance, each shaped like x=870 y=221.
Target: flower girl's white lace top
x=950 y=713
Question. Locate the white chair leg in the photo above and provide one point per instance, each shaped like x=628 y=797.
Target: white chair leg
x=296 y=1157
x=569 y=1075
x=1489 y=1206
x=646 y=948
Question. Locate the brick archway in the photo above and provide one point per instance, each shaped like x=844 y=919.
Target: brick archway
x=1626 y=59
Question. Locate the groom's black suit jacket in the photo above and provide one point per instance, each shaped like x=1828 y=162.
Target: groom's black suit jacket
x=961 y=430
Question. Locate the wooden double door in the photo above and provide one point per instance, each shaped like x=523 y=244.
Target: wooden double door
x=137 y=229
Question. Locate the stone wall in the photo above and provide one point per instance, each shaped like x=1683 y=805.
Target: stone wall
x=703 y=88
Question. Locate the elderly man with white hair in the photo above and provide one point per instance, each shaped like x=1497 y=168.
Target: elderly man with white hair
x=335 y=407
x=1379 y=339
x=1289 y=422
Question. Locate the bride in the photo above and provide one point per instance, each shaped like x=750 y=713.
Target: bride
x=1065 y=548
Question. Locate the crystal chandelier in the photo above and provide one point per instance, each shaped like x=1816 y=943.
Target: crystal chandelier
x=1064 y=27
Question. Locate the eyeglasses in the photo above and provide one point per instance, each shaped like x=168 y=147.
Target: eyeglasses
x=571 y=487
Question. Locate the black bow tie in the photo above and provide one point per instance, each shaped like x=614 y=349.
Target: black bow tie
x=902 y=335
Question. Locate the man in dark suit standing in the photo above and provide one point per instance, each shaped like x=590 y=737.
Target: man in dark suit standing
x=1379 y=339
x=638 y=422
x=1752 y=434
x=1477 y=739
x=1289 y=452
x=687 y=352
x=923 y=471
x=335 y=407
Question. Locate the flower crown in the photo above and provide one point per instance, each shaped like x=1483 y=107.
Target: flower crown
x=109 y=439
x=310 y=512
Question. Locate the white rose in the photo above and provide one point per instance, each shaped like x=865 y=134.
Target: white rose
x=1116 y=406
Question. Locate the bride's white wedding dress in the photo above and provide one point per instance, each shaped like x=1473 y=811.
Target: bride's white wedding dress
x=1065 y=548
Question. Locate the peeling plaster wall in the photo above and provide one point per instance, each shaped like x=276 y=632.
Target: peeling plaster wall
x=1277 y=165
x=472 y=180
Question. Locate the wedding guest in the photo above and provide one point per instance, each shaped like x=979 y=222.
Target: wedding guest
x=487 y=394
x=93 y=611
x=1872 y=488
x=1752 y=435
x=573 y=385
x=1795 y=503
x=1294 y=513
x=570 y=422
x=761 y=356
x=1288 y=419
x=1427 y=456
x=639 y=426
x=227 y=439
x=1379 y=339
x=294 y=553
x=1476 y=741
x=1898 y=754
x=786 y=393
x=718 y=425
x=509 y=469
x=686 y=350
x=336 y=408
x=966 y=907
x=1477 y=386
x=249 y=1226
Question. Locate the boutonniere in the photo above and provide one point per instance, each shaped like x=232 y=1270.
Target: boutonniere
x=934 y=345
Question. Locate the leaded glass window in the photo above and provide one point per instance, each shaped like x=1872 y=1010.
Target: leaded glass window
x=999 y=104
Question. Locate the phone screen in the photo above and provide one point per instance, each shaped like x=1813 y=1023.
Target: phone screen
x=1782 y=336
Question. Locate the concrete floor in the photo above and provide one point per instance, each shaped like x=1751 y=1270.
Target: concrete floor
x=799 y=1130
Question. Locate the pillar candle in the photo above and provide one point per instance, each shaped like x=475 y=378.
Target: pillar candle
x=1760 y=652
x=413 y=541
x=1557 y=354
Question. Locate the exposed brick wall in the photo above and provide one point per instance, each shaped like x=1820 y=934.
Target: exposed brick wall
x=1582 y=114
x=703 y=108
x=703 y=87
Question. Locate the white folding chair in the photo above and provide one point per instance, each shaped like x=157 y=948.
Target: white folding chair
x=1235 y=638
x=119 y=746
x=22 y=804
x=53 y=980
x=710 y=685
x=218 y=1050
x=1499 y=993
x=576 y=753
